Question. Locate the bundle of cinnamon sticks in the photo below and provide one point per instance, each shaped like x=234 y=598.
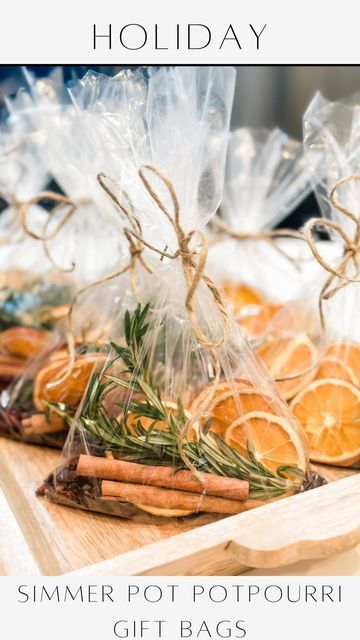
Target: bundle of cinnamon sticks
x=164 y=487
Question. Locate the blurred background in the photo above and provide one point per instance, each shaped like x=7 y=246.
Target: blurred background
x=266 y=96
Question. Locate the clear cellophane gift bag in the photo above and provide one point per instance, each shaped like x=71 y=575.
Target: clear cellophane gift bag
x=33 y=296
x=22 y=175
x=181 y=419
x=313 y=349
x=329 y=406
x=79 y=243
x=267 y=176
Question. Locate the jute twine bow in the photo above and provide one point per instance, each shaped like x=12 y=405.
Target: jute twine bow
x=269 y=236
x=135 y=249
x=193 y=264
x=23 y=208
x=61 y=202
x=193 y=269
x=339 y=277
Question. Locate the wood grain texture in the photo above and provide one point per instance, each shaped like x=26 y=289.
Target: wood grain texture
x=40 y=537
x=47 y=529
x=311 y=525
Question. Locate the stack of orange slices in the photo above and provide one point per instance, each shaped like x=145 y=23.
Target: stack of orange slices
x=323 y=391
x=241 y=413
x=328 y=407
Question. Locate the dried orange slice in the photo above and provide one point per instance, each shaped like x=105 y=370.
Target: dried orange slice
x=331 y=367
x=256 y=324
x=274 y=440
x=26 y=342
x=347 y=351
x=146 y=423
x=327 y=410
x=164 y=513
x=231 y=400
x=241 y=295
x=295 y=357
x=71 y=389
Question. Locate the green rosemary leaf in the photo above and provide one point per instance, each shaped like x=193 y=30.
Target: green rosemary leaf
x=153 y=397
x=141 y=332
x=207 y=426
x=119 y=381
x=251 y=451
x=127 y=327
x=288 y=469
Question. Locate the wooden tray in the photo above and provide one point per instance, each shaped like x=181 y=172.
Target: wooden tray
x=38 y=537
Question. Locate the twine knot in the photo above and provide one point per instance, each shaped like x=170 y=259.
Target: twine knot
x=339 y=276
x=353 y=248
x=193 y=260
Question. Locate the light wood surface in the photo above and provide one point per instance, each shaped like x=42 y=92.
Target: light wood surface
x=58 y=539
x=39 y=537
x=311 y=525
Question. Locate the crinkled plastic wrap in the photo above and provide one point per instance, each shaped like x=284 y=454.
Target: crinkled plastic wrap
x=89 y=242
x=79 y=249
x=181 y=420
x=33 y=297
x=22 y=175
x=315 y=340
x=267 y=176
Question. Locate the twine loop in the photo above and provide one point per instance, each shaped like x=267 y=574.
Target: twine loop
x=339 y=277
x=61 y=202
x=193 y=260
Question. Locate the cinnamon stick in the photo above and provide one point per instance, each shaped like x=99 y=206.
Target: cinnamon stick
x=112 y=469
x=38 y=424
x=169 y=498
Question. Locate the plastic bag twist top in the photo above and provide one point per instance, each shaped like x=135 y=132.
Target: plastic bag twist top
x=267 y=176
x=175 y=119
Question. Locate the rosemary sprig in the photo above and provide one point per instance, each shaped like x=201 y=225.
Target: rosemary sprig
x=156 y=446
